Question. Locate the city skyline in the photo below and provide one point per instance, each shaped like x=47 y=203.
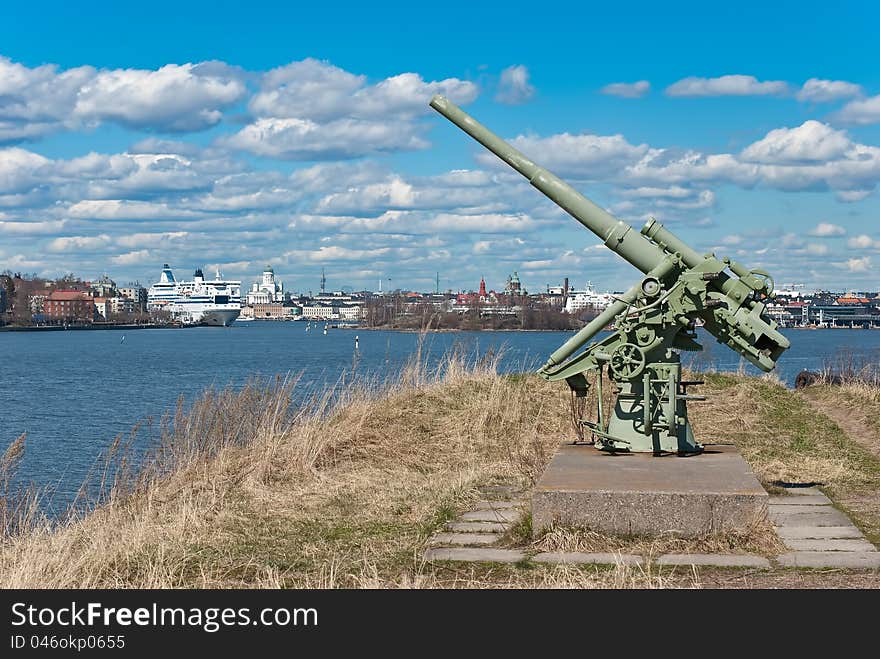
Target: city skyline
x=306 y=142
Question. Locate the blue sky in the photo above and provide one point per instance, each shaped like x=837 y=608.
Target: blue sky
x=240 y=134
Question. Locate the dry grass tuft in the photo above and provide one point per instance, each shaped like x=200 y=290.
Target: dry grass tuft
x=759 y=538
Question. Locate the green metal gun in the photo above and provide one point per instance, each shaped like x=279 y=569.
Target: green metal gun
x=658 y=315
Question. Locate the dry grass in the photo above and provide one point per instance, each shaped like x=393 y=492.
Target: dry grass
x=244 y=489
x=758 y=538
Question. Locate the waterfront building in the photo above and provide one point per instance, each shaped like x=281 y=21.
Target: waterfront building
x=70 y=306
x=122 y=305
x=102 y=307
x=137 y=294
x=267 y=290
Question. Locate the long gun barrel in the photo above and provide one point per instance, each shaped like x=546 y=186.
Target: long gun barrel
x=739 y=322
x=617 y=235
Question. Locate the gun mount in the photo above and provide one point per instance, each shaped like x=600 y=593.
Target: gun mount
x=655 y=317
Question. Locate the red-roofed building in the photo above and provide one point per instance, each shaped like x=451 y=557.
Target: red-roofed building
x=70 y=306
x=853 y=300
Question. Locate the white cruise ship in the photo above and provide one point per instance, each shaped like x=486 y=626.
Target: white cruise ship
x=587 y=298
x=197 y=302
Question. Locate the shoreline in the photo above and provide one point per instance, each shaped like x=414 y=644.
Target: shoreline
x=61 y=328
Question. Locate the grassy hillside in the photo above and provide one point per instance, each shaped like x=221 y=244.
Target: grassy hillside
x=244 y=490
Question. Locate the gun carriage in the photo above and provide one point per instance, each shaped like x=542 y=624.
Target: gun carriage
x=651 y=321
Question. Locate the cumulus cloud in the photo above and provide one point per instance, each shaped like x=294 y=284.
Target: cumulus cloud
x=827 y=229
x=627 y=89
x=514 y=87
x=861 y=264
x=173 y=98
x=124 y=209
x=133 y=257
x=47 y=227
x=861 y=112
x=317 y=90
x=312 y=110
x=810 y=142
x=729 y=85
x=816 y=90
x=78 y=243
x=863 y=241
x=303 y=139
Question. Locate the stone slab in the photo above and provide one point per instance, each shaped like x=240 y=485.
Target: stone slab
x=840 y=559
x=491 y=516
x=474 y=554
x=801 y=516
x=714 y=560
x=477 y=527
x=498 y=505
x=830 y=544
x=817 y=532
x=803 y=500
x=643 y=494
x=577 y=557
x=465 y=538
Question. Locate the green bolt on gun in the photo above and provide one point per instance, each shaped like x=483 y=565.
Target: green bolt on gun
x=653 y=318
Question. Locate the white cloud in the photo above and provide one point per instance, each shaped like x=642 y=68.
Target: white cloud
x=514 y=87
x=78 y=243
x=174 y=97
x=809 y=157
x=729 y=85
x=827 y=229
x=177 y=98
x=132 y=258
x=863 y=241
x=808 y=143
x=316 y=90
x=32 y=228
x=861 y=111
x=152 y=240
x=862 y=264
x=123 y=209
x=303 y=139
x=312 y=110
x=627 y=89
x=853 y=195
x=817 y=90
x=815 y=249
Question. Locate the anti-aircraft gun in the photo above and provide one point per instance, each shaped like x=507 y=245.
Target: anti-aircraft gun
x=651 y=320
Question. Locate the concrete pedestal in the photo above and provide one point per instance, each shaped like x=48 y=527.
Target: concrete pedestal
x=638 y=493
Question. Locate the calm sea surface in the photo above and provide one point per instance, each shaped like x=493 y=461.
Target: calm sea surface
x=73 y=392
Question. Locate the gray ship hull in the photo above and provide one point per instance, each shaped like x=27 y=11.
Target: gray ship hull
x=219 y=317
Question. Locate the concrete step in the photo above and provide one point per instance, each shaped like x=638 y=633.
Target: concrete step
x=817 y=532
x=838 y=559
x=465 y=539
x=477 y=527
x=808 y=516
x=714 y=560
x=830 y=544
x=575 y=557
x=491 y=516
x=474 y=554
